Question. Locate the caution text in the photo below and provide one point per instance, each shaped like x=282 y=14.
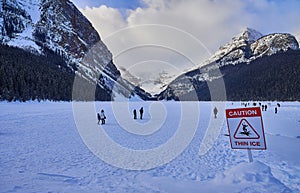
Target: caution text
x=246 y=112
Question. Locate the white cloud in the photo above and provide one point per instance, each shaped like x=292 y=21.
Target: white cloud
x=182 y=33
x=104 y=19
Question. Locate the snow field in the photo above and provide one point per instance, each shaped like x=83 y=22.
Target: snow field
x=42 y=150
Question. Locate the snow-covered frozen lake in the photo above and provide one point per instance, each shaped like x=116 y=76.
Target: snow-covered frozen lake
x=177 y=147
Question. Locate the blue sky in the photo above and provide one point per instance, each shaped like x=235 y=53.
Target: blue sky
x=120 y=4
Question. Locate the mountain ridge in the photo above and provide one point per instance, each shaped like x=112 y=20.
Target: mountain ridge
x=242 y=50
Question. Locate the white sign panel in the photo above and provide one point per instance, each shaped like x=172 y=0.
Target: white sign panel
x=245 y=128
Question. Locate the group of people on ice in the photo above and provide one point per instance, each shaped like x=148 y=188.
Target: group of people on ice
x=135 y=113
x=263 y=107
x=101 y=116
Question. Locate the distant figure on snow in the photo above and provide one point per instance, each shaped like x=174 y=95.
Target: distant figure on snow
x=275 y=110
x=134 y=114
x=263 y=107
x=141 y=113
x=99 y=118
x=215 y=112
x=102 y=117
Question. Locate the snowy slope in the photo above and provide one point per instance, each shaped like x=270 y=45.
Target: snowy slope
x=153 y=84
x=41 y=150
x=21 y=28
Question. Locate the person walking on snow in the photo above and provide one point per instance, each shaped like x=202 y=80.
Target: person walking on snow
x=215 y=112
x=102 y=117
x=134 y=114
x=99 y=118
x=141 y=113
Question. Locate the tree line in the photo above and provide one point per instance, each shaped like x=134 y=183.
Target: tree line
x=26 y=76
x=275 y=77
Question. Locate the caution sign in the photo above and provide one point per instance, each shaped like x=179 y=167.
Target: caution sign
x=245 y=128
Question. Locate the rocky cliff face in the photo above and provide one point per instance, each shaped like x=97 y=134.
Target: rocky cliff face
x=55 y=24
x=14 y=19
x=272 y=44
x=64 y=28
x=248 y=47
x=17 y=21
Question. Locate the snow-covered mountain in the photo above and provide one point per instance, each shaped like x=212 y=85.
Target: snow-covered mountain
x=248 y=47
x=17 y=21
x=154 y=84
x=57 y=25
x=237 y=48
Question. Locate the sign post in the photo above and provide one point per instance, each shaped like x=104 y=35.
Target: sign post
x=246 y=129
x=250 y=155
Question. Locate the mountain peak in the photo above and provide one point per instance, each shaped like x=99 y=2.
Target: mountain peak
x=242 y=40
x=248 y=34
